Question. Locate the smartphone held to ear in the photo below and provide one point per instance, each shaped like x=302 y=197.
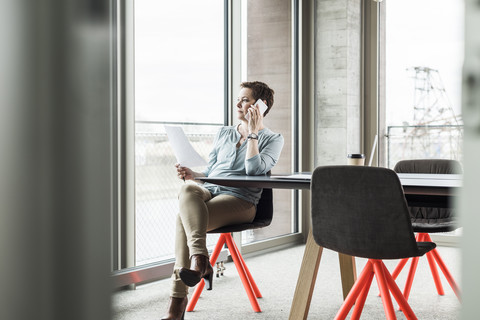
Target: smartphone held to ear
x=261 y=106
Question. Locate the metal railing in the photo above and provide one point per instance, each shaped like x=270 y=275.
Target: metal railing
x=424 y=142
x=156 y=187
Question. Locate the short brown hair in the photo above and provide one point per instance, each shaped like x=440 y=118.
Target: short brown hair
x=260 y=91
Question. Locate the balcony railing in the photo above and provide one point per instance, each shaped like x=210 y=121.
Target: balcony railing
x=156 y=187
x=424 y=142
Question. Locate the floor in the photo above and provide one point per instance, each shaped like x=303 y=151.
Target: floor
x=276 y=275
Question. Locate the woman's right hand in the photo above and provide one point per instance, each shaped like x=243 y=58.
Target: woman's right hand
x=184 y=172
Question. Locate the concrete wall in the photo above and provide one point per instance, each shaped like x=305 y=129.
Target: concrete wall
x=269 y=59
x=337 y=80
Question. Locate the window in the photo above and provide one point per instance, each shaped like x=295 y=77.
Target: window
x=424 y=59
x=179 y=80
x=184 y=68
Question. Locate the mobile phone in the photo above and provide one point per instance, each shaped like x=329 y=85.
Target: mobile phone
x=262 y=107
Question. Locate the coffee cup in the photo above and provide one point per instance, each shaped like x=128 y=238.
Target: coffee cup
x=356 y=159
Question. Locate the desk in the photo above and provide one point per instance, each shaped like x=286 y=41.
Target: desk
x=427 y=190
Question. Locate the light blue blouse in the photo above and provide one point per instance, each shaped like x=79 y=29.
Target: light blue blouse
x=227 y=160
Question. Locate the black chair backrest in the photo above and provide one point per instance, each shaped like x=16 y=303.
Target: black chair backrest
x=361 y=211
x=431 y=219
x=440 y=166
x=263 y=216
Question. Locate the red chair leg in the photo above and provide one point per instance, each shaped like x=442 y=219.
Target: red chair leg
x=411 y=275
x=433 y=268
x=445 y=270
x=399 y=268
x=397 y=294
x=413 y=268
x=435 y=275
x=245 y=268
x=213 y=258
x=360 y=302
x=383 y=286
x=401 y=264
x=355 y=291
x=243 y=275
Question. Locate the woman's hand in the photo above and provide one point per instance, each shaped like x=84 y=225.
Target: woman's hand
x=184 y=172
x=256 y=119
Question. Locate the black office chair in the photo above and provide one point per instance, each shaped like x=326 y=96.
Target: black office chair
x=362 y=211
x=263 y=218
x=430 y=220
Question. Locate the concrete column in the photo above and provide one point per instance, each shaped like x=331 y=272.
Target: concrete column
x=337 y=80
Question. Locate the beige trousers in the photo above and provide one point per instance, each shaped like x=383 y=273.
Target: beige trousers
x=199 y=213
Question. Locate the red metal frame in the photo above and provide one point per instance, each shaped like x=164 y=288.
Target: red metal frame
x=248 y=283
x=359 y=292
x=434 y=259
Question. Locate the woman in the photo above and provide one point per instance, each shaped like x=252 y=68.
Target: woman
x=248 y=148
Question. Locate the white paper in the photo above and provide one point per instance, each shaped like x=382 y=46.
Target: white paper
x=184 y=152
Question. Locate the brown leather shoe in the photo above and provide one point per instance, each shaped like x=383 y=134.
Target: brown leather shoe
x=199 y=268
x=176 y=309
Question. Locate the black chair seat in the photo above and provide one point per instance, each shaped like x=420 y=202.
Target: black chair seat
x=263 y=216
x=424 y=247
x=429 y=227
x=241 y=227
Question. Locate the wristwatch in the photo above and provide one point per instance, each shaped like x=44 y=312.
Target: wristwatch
x=252 y=136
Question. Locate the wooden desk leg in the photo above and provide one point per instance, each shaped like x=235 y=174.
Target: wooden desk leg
x=348 y=272
x=306 y=280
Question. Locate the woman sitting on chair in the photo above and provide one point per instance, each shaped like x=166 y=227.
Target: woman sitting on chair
x=248 y=148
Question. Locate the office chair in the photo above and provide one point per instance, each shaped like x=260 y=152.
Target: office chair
x=362 y=212
x=263 y=218
x=429 y=220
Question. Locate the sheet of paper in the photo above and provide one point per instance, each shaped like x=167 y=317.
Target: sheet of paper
x=184 y=152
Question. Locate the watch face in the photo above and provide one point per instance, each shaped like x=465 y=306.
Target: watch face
x=253 y=136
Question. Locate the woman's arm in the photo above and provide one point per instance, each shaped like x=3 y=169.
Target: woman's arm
x=255 y=122
x=264 y=161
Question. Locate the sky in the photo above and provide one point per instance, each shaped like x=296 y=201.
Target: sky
x=425 y=33
x=179 y=68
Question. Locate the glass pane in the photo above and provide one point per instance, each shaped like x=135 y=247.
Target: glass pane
x=179 y=78
x=424 y=59
x=179 y=53
x=267 y=57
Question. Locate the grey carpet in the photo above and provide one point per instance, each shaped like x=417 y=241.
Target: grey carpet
x=276 y=275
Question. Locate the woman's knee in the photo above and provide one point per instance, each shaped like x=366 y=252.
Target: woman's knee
x=189 y=189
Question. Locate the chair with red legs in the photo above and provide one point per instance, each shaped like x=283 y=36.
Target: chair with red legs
x=429 y=220
x=263 y=218
x=362 y=212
